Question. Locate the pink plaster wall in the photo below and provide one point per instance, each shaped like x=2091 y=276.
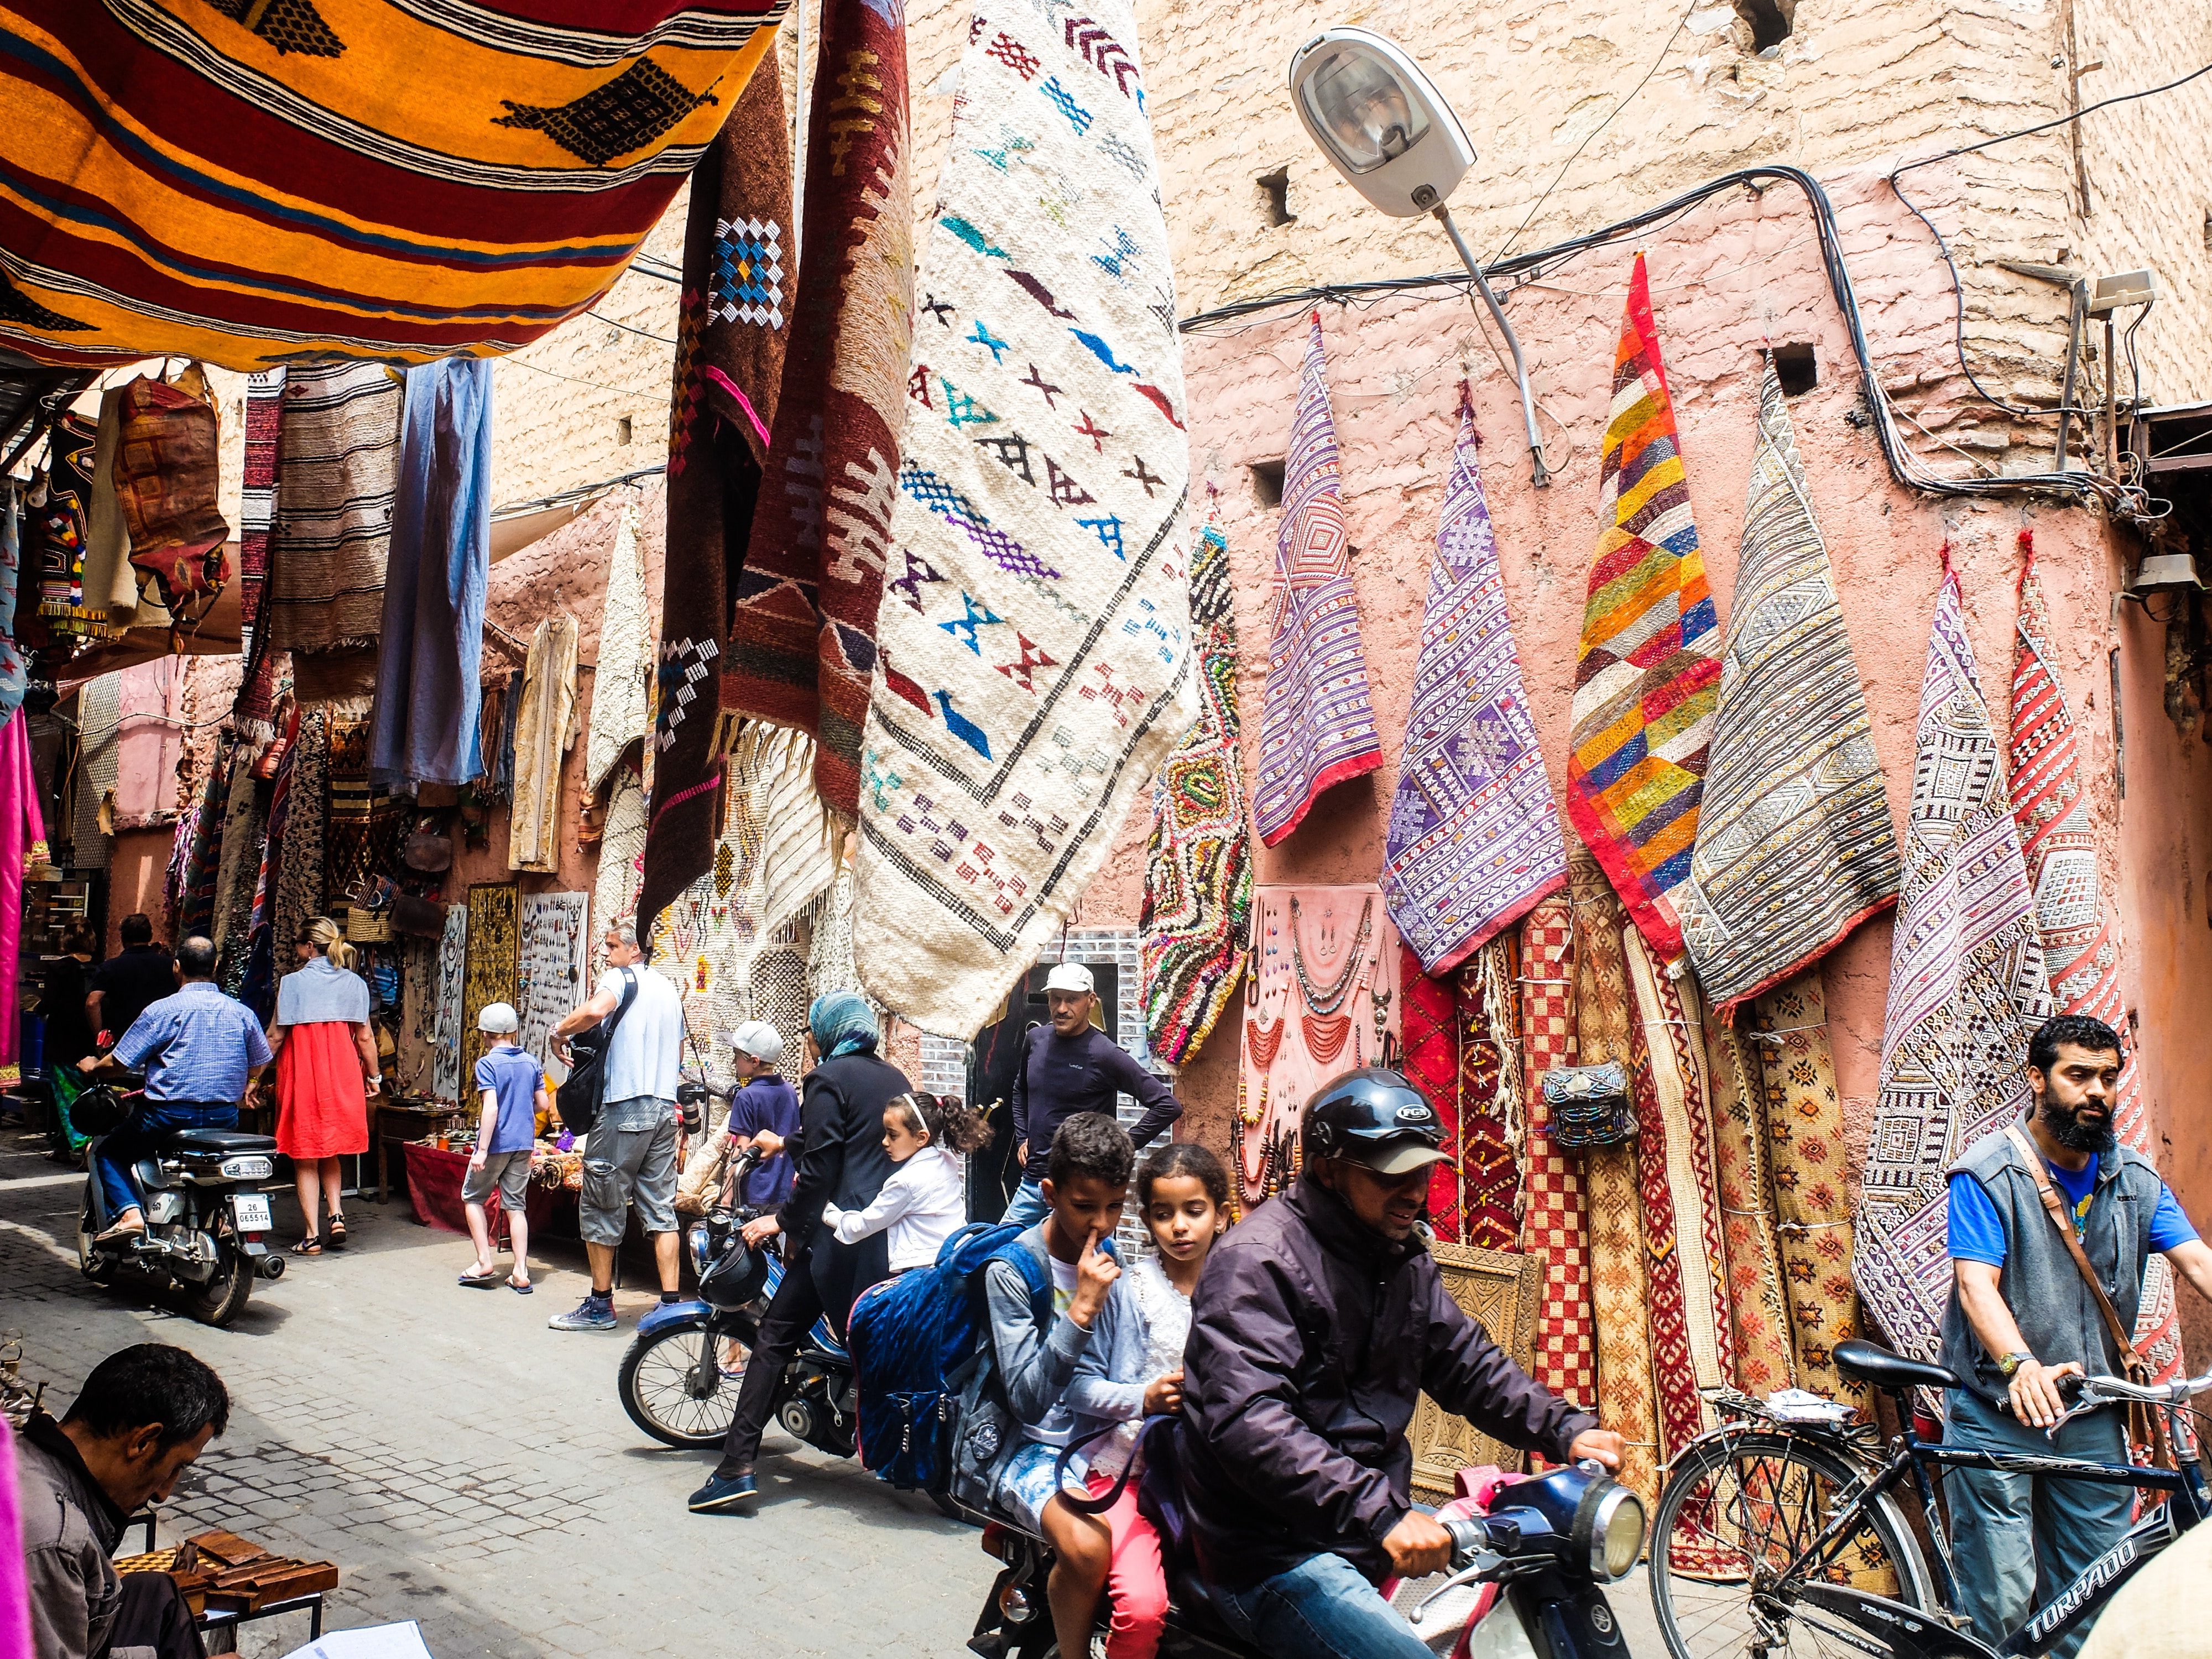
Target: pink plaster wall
x=137 y=871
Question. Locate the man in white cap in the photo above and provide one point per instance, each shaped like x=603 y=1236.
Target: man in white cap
x=1070 y=1067
x=764 y=1103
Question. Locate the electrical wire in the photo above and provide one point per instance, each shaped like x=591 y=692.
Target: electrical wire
x=642 y=333
x=576 y=492
x=600 y=386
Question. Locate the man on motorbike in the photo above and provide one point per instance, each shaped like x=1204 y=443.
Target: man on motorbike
x=1315 y=1326
x=200 y=1050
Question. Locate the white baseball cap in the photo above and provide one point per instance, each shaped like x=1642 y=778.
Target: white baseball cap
x=759 y=1039
x=498 y=1019
x=1068 y=976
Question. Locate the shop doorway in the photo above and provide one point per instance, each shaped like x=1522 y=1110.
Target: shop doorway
x=992 y=1173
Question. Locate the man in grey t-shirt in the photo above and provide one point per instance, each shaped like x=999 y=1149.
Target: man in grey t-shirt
x=630 y=1156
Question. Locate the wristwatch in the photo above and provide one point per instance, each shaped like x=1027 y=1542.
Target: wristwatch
x=2010 y=1363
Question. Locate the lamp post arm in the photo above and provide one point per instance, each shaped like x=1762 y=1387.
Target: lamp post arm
x=1543 y=473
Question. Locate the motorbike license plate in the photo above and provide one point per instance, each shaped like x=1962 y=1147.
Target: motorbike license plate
x=251 y=1211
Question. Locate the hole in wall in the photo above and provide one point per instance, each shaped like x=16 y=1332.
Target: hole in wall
x=1770 y=21
x=1794 y=368
x=2207 y=230
x=1275 y=196
x=622 y=430
x=1268 y=483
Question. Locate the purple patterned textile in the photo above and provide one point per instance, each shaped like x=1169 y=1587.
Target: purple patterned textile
x=1474 y=840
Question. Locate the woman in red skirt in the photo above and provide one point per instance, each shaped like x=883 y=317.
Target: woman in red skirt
x=326 y=1064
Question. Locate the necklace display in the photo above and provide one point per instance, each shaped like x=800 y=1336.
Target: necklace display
x=1328 y=1001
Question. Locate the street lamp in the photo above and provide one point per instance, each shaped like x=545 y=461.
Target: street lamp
x=1386 y=128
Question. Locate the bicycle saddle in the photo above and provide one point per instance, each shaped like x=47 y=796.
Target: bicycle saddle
x=1863 y=1362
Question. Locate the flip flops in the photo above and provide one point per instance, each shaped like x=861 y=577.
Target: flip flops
x=481 y=1281
x=519 y=1286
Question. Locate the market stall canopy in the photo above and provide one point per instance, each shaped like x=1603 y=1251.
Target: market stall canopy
x=253 y=182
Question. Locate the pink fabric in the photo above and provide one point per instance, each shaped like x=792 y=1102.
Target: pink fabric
x=14 y=1585
x=22 y=837
x=149 y=741
x=1134 y=1577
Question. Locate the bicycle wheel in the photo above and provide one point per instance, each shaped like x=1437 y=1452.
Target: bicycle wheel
x=1737 y=1512
x=660 y=1384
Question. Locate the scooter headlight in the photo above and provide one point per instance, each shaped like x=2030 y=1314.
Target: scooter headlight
x=247 y=1168
x=1615 y=1519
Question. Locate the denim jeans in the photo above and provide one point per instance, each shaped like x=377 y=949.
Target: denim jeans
x=2018 y=1539
x=141 y=1132
x=1029 y=1206
x=1321 y=1609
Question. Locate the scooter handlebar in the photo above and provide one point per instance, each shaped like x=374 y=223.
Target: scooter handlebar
x=1470 y=1537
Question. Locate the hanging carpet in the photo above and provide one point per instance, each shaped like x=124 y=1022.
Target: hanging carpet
x=1966 y=990
x=22 y=845
x=1317 y=724
x=732 y=327
x=1429 y=1034
x=621 y=694
x=544 y=732
x=1793 y=846
x=494 y=950
x=248 y=183
x=1755 y=1302
x=60 y=505
x=237 y=867
x=1035 y=646
x=367 y=823
x=196 y=888
x=1489 y=1097
x=802 y=640
x=257 y=521
x=1555 y=1225
x=830 y=965
x=1197 y=914
x=1474 y=841
x=337 y=482
x=1649 y=659
x=2080 y=933
x=300 y=874
x=452 y=994
x=621 y=853
x=799 y=850
x=552 y=954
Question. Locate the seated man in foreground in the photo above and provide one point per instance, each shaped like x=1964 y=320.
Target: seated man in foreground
x=1315 y=1326
x=142 y=1416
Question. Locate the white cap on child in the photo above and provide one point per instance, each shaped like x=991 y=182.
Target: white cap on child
x=759 y=1039
x=498 y=1019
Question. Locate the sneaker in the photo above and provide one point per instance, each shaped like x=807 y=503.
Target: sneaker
x=722 y=1492
x=594 y=1313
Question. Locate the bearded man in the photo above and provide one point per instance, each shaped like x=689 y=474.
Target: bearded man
x=2021 y=1316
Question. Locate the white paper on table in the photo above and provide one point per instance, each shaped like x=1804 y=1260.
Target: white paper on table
x=402 y=1641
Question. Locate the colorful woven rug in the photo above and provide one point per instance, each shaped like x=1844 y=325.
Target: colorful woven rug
x=266 y=192
x=1555 y=1225
x=1316 y=726
x=495 y=945
x=1759 y=1312
x=621 y=694
x=367 y=824
x=1197 y=914
x=1966 y=990
x=2080 y=935
x=544 y=732
x=307 y=820
x=196 y=888
x=1323 y=998
x=1787 y=1044
x=338 y=483
x=731 y=336
x=452 y=992
x=1649 y=663
x=1429 y=1035
x=61 y=500
x=800 y=849
x=1793 y=846
x=1490 y=1115
x=257 y=520
x=802 y=639
x=1692 y=1335
x=1473 y=840
x=1036 y=643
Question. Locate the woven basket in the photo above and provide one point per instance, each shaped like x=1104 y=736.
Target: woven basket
x=368 y=926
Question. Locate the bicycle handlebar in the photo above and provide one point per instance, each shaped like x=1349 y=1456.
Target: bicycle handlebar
x=2155 y=1394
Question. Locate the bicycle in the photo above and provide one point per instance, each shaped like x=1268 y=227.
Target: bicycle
x=1779 y=1533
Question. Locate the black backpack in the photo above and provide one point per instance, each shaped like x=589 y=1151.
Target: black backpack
x=581 y=1096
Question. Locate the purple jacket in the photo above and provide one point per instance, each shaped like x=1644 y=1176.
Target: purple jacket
x=1311 y=1335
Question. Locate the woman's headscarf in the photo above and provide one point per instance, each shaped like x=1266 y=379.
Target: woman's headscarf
x=842 y=1024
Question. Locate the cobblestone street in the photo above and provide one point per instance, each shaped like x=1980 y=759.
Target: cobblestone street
x=467 y=1468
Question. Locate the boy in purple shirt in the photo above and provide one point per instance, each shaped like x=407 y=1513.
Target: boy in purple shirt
x=512 y=1086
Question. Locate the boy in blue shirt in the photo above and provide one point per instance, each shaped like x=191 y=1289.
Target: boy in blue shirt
x=512 y=1086
x=764 y=1104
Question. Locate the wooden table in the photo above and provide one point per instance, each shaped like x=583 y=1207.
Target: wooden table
x=394 y=1123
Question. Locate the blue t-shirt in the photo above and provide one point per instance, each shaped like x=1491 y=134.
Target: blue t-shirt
x=514 y=1077
x=767 y=1102
x=198 y=1046
x=1977 y=1235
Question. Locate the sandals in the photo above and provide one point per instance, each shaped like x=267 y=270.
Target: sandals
x=519 y=1286
x=334 y=1234
x=308 y=1246
x=481 y=1281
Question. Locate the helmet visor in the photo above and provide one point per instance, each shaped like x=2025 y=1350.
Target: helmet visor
x=1397 y=1156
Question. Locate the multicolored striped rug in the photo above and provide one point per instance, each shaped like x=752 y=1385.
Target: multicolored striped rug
x=1649 y=663
x=1555 y=1222
x=257 y=520
x=1966 y=990
x=1793 y=846
x=1316 y=724
x=1756 y=1307
x=1473 y=840
x=338 y=486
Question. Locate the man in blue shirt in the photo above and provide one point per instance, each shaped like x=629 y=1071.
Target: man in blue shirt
x=2020 y=1317
x=200 y=1050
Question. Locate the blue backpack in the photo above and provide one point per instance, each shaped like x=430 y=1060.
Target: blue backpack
x=915 y=1342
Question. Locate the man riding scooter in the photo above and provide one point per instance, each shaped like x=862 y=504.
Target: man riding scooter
x=1318 y=1323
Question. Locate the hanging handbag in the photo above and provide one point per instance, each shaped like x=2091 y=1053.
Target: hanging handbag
x=1589 y=1106
x=2146 y=1426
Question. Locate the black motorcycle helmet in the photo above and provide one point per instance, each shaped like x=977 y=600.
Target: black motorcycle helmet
x=1373 y=1117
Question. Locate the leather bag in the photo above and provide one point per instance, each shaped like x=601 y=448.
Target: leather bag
x=1589 y=1106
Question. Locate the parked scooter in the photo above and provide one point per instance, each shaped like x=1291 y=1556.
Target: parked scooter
x=206 y=1214
x=1526 y=1582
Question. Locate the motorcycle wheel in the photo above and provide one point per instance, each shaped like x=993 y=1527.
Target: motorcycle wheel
x=222 y=1299
x=89 y=1262
x=655 y=1385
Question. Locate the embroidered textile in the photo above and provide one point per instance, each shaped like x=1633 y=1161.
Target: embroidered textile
x=166 y=483
x=1474 y=841
x=23 y=844
x=337 y=457
x=1555 y=1225
x=705 y=942
x=1316 y=726
x=1649 y=660
x=1035 y=662
x=1322 y=1000
x=544 y=732
x=552 y=955
x=1489 y=1091
x=61 y=500
x=2079 y=933
x=800 y=851
x=1788 y=1038
x=1966 y=990
x=367 y=823
x=267 y=194
x=257 y=520
x=453 y=974
x=1793 y=846
x=432 y=640
x=621 y=697
x=1760 y=1313
x=731 y=335
x=92 y=785
x=1197 y=915
x=621 y=855
x=1429 y=1034
x=15 y=673
x=494 y=963
x=802 y=636
x=299 y=873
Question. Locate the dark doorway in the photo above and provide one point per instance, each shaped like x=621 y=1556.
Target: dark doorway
x=992 y=1173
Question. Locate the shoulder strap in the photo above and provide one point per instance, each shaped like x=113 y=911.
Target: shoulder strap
x=628 y=996
x=2055 y=1207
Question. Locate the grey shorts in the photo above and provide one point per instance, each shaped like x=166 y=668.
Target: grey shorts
x=508 y=1171
x=634 y=1165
